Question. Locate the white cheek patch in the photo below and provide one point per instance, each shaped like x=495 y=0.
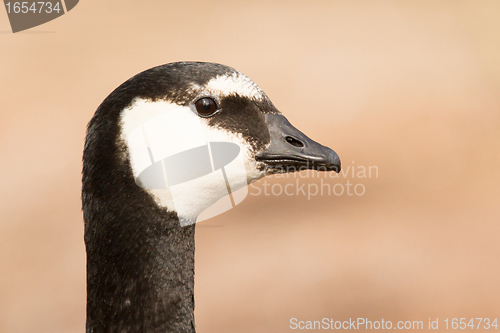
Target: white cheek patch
x=235 y=83
x=186 y=165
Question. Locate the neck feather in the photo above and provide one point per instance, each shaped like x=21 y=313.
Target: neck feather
x=140 y=274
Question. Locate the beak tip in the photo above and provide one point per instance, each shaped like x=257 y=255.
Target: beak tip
x=334 y=161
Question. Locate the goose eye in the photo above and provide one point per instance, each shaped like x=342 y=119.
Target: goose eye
x=206 y=106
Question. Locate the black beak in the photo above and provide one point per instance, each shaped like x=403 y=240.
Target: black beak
x=292 y=150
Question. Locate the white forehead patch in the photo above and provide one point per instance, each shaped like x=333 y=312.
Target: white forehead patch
x=235 y=83
x=162 y=139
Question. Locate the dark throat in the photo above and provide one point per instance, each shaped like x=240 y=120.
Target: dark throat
x=140 y=279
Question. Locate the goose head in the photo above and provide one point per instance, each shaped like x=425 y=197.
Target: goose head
x=210 y=132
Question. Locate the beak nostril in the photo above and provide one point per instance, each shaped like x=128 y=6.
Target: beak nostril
x=294 y=142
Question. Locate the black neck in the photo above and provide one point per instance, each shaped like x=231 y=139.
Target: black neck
x=140 y=261
x=140 y=275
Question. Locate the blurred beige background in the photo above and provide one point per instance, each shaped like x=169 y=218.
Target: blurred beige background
x=411 y=87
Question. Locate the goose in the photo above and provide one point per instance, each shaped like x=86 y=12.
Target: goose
x=139 y=237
